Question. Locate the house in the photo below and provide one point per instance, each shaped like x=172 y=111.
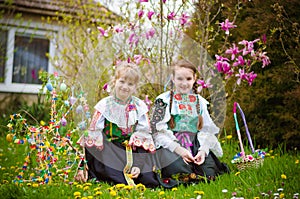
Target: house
x=24 y=44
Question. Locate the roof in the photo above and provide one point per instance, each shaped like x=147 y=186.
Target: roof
x=56 y=7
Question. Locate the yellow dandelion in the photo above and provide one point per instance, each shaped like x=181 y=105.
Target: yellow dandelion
x=5 y=181
x=140 y=187
x=281 y=195
x=79 y=186
x=77 y=193
x=28 y=184
x=161 y=193
x=42 y=123
x=84 y=198
x=75 y=183
x=128 y=187
x=256 y=197
x=90 y=197
x=98 y=193
x=174 y=189
x=237 y=173
x=35 y=185
x=223 y=141
x=12 y=167
x=87 y=184
x=113 y=193
x=199 y=192
x=297 y=162
x=86 y=188
x=97 y=189
x=228 y=137
x=119 y=186
x=110 y=188
x=272 y=157
x=283 y=176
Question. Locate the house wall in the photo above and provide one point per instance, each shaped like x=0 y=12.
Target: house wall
x=7 y=99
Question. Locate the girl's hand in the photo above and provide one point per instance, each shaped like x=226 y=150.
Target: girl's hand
x=81 y=176
x=199 y=158
x=135 y=172
x=184 y=153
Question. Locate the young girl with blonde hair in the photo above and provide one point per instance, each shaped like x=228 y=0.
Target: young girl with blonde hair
x=119 y=143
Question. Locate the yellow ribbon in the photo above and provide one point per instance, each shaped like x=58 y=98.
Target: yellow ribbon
x=128 y=165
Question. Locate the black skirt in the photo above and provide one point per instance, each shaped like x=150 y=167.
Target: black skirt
x=172 y=166
x=107 y=165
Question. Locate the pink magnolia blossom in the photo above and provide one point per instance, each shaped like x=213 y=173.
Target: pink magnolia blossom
x=242 y=75
x=248 y=46
x=234 y=50
x=240 y=61
x=102 y=32
x=171 y=16
x=223 y=66
x=250 y=77
x=137 y=59
x=184 y=19
x=106 y=87
x=140 y=13
x=264 y=58
x=118 y=29
x=150 y=33
x=227 y=25
x=204 y=84
x=150 y=14
x=133 y=39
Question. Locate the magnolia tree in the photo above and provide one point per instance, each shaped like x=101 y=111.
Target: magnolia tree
x=156 y=33
x=153 y=34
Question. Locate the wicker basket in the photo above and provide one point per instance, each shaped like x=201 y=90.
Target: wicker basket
x=241 y=160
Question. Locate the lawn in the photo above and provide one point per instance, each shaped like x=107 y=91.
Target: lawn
x=278 y=177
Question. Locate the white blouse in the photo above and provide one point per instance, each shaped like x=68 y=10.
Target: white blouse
x=206 y=136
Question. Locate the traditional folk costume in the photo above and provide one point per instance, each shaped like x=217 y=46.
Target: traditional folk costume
x=185 y=110
x=122 y=132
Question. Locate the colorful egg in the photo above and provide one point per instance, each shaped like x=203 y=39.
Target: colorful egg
x=63 y=87
x=9 y=137
x=63 y=121
x=49 y=86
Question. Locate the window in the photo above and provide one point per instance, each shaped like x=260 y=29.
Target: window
x=3 y=41
x=23 y=54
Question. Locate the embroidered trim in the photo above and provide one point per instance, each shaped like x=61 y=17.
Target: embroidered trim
x=158 y=113
x=96 y=116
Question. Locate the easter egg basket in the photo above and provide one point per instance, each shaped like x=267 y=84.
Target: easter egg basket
x=241 y=160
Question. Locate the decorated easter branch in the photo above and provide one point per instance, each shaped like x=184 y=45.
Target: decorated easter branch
x=51 y=151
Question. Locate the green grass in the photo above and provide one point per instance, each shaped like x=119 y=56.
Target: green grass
x=279 y=175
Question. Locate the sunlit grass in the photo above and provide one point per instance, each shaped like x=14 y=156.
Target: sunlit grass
x=277 y=178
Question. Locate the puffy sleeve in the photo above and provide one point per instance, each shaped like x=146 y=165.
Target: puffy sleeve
x=163 y=137
x=93 y=136
x=207 y=135
x=142 y=136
